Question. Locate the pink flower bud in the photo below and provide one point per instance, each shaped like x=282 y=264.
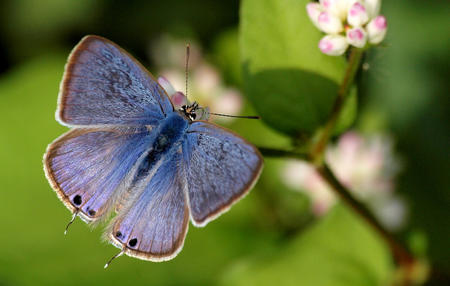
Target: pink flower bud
x=357 y=15
x=170 y=90
x=333 y=45
x=314 y=9
x=373 y=7
x=326 y=3
x=178 y=99
x=357 y=37
x=376 y=29
x=329 y=23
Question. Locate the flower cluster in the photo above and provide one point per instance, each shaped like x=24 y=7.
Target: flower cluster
x=365 y=165
x=206 y=85
x=347 y=22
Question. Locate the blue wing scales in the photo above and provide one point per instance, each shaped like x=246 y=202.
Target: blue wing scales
x=104 y=85
x=221 y=168
x=91 y=168
x=154 y=223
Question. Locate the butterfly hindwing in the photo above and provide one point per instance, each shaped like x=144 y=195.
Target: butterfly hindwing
x=153 y=225
x=220 y=168
x=91 y=168
x=104 y=85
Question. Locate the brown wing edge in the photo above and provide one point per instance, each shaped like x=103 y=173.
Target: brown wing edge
x=72 y=61
x=240 y=195
x=49 y=172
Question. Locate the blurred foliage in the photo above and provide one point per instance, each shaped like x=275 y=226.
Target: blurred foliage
x=225 y=51
x=339 y=250
x=269 y=237
x=407 y=88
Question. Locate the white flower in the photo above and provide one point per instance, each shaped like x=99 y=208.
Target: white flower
x=357 y=15
x=329 y=23
x=373 y=7
x=367 y=166
x=357 y=21
x=377 y=29
x=170 y=90
x=357 y=37
x=337 y=7
x=333 y=45
x=177 y=97
x=314 y=9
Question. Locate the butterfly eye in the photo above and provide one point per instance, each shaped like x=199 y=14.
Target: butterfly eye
x=133 y=242
x=77 y=200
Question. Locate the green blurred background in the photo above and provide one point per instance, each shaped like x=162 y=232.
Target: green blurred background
x=269 y=237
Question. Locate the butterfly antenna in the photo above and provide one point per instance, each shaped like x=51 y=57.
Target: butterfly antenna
x=235 y=116
x=188 y=49
x=70 y=222
x=114 y=257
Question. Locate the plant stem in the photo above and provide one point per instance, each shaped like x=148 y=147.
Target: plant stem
x=352 y=67
x=271 y=152
x=316 y=156
x=400 y=253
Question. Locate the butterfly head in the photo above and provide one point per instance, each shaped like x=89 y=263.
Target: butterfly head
x=195 y=112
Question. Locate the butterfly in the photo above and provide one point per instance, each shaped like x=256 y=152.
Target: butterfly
x=130 y=152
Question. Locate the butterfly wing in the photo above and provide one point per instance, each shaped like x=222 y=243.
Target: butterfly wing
x=221 y=167
x=153 y=224
x=91 y=168
x=104 y=85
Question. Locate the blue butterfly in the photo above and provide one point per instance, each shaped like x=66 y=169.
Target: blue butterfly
x=130 y=152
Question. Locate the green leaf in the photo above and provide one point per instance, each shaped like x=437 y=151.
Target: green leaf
x=339 y=250
x=290 y=82
x=226 y=56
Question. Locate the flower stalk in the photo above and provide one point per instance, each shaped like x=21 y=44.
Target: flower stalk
x=400 y=253
x=403 y=258
x=317 y=151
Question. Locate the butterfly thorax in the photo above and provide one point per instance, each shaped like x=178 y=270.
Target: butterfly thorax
x=171 y=130
x=166 y=139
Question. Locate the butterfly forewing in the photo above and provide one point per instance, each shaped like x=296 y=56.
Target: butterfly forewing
x=220 y=166
x=104 y=85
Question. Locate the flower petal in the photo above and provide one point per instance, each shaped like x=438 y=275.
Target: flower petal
x=357 y=37
x=333 y=45
x=164 y=82
x=376 y=29
x=314 y=9
x=357 y=15
x=373 y=7
x=338 y=8
x=329 y=23
x=178 y=99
